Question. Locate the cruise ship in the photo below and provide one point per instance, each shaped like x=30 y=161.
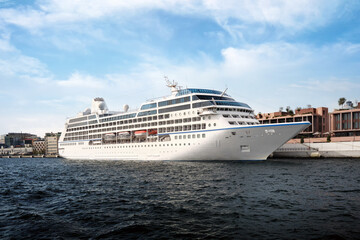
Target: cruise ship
x=189 y=124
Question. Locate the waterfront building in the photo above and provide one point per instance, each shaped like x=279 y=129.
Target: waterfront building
x=51 y=143
x=17 y=139
x=318 y=117
x=346 y=121
x=39 y=146
x=2 y=141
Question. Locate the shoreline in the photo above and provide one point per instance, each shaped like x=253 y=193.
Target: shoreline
x=316 y=148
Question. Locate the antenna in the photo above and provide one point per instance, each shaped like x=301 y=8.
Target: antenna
x=167 y=80
x=222 y=94
x=169 y=83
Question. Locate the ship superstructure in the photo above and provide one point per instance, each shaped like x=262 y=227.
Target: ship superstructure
x=190 y=124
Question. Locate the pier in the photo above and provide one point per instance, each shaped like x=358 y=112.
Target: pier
x=29 y=156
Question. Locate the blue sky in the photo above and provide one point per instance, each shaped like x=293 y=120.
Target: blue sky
x=56 y=55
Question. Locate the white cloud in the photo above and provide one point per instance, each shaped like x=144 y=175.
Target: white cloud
x=14 y=65
x=265 y=76
x=331 y=85
x=293 y=14
x=231 y=14
x=17 y=66
x=39 y=124
x=82 y=80
x=5 y=45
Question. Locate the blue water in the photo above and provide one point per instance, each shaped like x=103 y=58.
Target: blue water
x=275 y=199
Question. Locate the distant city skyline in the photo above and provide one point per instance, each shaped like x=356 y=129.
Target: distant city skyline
x=56 y=56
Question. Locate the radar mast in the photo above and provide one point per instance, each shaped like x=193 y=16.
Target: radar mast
x=172 y=85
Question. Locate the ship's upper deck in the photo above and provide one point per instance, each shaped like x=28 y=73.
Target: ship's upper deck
x=206 y=97
x=183 y=110
x=180 y=99
x=199 y=90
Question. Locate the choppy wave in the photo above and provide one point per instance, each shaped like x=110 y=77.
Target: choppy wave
x=277 y=199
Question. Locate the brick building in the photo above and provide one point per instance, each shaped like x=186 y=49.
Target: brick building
x=346 y=122
x=318 y=117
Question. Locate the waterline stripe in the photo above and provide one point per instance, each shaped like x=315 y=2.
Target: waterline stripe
x=253 y=126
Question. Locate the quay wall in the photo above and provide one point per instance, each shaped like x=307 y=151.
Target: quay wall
x=336 y=149
x=16 y=151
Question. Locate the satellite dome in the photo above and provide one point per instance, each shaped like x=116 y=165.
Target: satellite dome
x=126 y=108
x=87 y=111
x=102 y=106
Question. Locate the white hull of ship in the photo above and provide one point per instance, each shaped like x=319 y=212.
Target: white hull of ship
x=239 y=143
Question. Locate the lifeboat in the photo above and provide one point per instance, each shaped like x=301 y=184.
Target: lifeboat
x=109 y=137
x=140 y=133
x=152 y=132
x=123 y=135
